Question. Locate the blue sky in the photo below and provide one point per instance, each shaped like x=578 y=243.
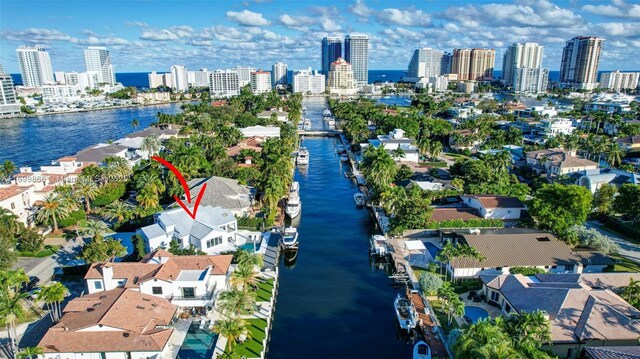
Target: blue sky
x=153 y=35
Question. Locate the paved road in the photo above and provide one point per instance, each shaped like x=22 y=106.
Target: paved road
x=627 y=249
x=43 y=267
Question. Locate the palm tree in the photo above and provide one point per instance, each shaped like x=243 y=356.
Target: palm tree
x=393 y=198
x=30 y=353
x=398 y=154
x=95 y=229
x=149 y=181
x=246 y=258
x=11 y=281
x=53 y=207
x=7 y=169
x=9 y=222
x=236 y=301
x=436 y=149
x=151 y=144
x=614 y=154
x=455 y=308
x=52 y=295
x=119 y=211
x=233 y=329
x=243 y=277
x=631 y=293
x=88 y=190
x=11 y=310
x=135 y=123
x=424 y=146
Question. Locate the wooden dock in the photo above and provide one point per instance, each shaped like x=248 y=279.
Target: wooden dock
x=427 y=325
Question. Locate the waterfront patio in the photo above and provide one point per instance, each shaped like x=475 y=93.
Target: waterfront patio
x=493 y=311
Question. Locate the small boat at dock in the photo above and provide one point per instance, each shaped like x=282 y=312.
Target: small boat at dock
x=406 y=313
x=344 y=157
x=306 y=125
x=421 y=351
x=326 y=112
x=379 y=245
x=303 y=156
x=360 y=199
x=290 y=238
x=340 y=148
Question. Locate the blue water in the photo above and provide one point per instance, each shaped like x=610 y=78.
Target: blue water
x=433 y=250
x=475 y=313
x=125 y=239
x=36 y=141
x=198 y=344
x=250 y=247
x=333 y=303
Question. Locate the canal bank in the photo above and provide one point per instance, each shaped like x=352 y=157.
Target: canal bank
x=332 y=301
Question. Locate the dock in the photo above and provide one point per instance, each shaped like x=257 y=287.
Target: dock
x=271 y=254
x=319 y=133
x=431 y=333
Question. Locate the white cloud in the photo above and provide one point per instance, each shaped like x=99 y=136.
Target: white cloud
x=404 y=17
x=329 y=25
x=361 y=9
x=159 y=35
x=248 y=18
x=618 y=9
x=36 y=35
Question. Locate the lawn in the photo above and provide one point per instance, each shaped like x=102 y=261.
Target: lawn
x=252 y=348
x=265 y=290
x=47 y=251
x=623 y=264
x=442 y=316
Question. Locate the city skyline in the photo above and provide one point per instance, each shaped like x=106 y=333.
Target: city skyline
x=142 y=37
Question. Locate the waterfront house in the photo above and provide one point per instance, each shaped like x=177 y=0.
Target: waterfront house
x=261 y=131
x=212 y=231
x=495 y=207
x=556 y=162
x=505 y=248
x=17 y=199
x=581 y=313
x=98 y=153
x=116 y=324
x=186 y=281
x=594 y=179
x=251 y=144
x=556 y=126
x=396 y=140
x=283 y=116
x=224 y=192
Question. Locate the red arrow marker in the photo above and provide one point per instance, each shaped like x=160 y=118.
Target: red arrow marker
x=183 y=182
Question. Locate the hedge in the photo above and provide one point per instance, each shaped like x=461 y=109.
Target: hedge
x=109 y=193
x=470 y=223
x=72 y=218
x=253 y=223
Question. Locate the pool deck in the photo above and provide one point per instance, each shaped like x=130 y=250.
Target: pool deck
x=177 y=338
x=493 y=311
x=427 y=324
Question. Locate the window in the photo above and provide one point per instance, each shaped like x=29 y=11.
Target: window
x=569 y=352
x=495 y=296
x=121 y=282
x=156 y=290
x=189 y=292
x=214 y=242
x=13 y=205
x=499 y=268
x=507 y=308
x=98 y=285
x=568 y=267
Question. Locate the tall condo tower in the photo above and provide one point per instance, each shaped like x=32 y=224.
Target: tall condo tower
x=356 y=49
x=331 y=51
x=278 y=74
x=580 y=60
x=98 y=58
x=35 y=66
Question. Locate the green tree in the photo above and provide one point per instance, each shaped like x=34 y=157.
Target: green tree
x=558 y=207
x=430 y=283
x=378 y=168
x=236 y=301
x=139 y=248
x=99 y=250
x=119 y=211
x=243 y=277
x=6 y=170
x=30 y=240
x=135 y=123
x=631 y=293
x=627 y=202
x=52 y=295
x=151 y=144
x=614 y=153
x=87 y=189
x=603 y=199
x=246 y=258
x=52 y=209
x=95 y=229
x=233 y=329
x=30 y=353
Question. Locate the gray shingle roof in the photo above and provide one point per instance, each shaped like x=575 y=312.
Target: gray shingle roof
x=613 y=352
x=223 y=192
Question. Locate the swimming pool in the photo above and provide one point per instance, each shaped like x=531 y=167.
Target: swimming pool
x=475 y=313
x=249 y=247
x=198 y=344
x=432 y=249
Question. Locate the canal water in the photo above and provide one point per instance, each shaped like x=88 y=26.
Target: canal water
x=36 y=141
x=332 y=301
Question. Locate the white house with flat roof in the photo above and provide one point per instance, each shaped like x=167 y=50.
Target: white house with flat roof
x=396 y=140
x=212 y=231
x=261 y=131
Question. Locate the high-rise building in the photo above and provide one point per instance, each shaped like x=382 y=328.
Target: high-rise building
x=580 y=59
x=179 y=78
x=82 y=80
x=244 y=74
x=260 y=82
x=356 y=50
x=527 y=54
x=530 y=80
x=156 y=80
x=35 y=66
x=308 y=81
x=9 y=105
x=427 y=63
x=98 y=58
x=341 y=79
x=278 y=74
x=619 y=81
x=198 y=78
x=331 y=51
x=473 y=64
x=224 y=83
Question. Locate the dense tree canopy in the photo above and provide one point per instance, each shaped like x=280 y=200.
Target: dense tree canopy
x=557 y=207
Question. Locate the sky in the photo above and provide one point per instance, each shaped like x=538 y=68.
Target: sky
x=155 y=34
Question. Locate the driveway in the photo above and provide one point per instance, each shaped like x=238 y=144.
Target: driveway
x=43 y=267
x=627 y=249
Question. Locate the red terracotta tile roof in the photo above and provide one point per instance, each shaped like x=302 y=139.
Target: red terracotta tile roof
x=67 y=159
x=445 y=214
x=11 y=191
x=495 y=201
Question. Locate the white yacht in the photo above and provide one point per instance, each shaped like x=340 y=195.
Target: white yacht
x=303 y=156
x=421 y=351
x=326 y=112
x=360 y=199
x=294 y=206
x=406 y=313
x=331 y=122
x=294 y=189
x=290 y=238
x=378 y=245
x=306 y=124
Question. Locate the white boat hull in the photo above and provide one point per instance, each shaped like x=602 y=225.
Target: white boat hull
x=406 y=313
x=294 y=212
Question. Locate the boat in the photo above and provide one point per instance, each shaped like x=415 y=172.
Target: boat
x=344 y=157
x=406 y=313
x=303 y=156
x=378 y=245
x=307 y=124
x=290 y=238
x=331 y=122
x=294 y=206
x=326 y=112
x=360 y=199
x=294 y=189
x=421 y=351
x=340 y=148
